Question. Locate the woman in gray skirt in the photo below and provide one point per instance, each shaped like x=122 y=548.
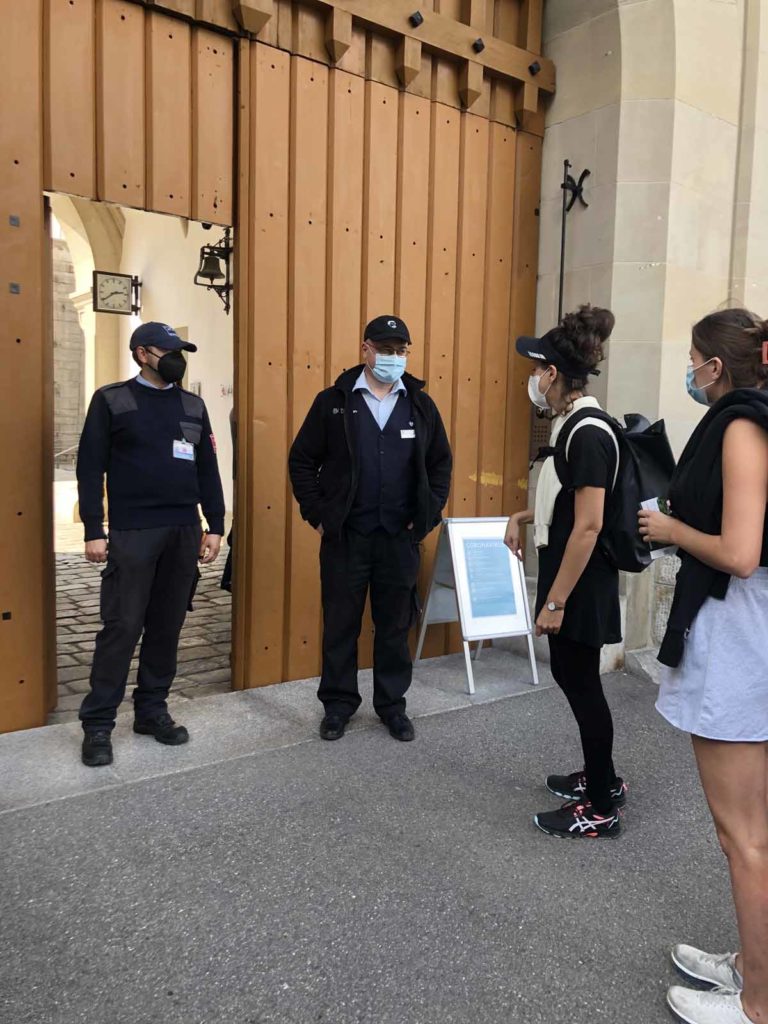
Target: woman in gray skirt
x=715 y=685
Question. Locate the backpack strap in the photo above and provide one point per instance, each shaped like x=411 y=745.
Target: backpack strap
x=603 y=424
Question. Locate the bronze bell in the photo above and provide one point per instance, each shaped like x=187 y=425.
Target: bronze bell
x=210 y=268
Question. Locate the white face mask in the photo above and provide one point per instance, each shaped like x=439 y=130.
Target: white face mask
x=538 y=398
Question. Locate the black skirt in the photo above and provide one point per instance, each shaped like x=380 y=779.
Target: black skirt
x=592 y=612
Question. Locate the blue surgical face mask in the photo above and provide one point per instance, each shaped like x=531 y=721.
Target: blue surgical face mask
x=697 y=394
x=388 y=369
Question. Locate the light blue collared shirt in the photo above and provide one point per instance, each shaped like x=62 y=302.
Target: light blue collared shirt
x=381 y=408
x=148 y=384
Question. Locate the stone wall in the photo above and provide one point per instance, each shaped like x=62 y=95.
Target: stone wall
x=666 y=103
x=68 y=357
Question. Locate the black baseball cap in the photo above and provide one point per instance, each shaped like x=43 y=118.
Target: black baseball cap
x=155 y=335
x=543 y=349
x=387 y=328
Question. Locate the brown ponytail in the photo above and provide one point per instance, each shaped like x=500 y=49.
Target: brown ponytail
x=740 y=339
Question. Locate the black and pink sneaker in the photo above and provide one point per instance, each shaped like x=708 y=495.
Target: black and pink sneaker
x=574 y=787
x=576 y=820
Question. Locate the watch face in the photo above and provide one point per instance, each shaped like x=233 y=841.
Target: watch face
x=112 y=293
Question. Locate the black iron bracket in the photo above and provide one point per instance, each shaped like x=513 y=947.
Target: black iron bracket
x=576 y=188
x=573 y=190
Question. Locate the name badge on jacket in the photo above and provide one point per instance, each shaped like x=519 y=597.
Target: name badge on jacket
x=184 y=450
x=406 y=434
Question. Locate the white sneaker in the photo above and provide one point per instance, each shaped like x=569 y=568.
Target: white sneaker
x=719 y=1006
x=715 y=969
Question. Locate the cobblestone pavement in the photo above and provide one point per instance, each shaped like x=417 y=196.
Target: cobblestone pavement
x=204 y=650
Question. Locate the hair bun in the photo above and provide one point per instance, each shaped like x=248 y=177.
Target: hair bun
x=583 y=333
x=593 y=320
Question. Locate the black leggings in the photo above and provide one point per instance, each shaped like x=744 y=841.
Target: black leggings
x=576 y=669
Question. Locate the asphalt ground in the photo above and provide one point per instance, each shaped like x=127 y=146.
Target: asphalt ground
x=365 y=880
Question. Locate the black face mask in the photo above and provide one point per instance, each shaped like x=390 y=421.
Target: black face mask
x=172 y=367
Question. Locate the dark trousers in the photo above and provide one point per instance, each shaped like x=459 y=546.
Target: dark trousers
x=576 y=669
x=348 y=567
x=146 y=586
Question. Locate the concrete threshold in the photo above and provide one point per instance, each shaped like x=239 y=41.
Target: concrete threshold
x=40 y=766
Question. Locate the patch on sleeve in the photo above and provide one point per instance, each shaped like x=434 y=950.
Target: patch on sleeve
x=213 y=444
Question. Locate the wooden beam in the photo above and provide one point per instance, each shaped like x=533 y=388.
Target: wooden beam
x=338 y=34
x=253 y=15
x=408 y=60
x=470 y=83
x=529 y=33
x=474 y=13
x=216 y=13
x=442 y=35
x=526 y=105
x=183 y=7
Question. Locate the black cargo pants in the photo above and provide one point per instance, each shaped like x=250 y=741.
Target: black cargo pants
x=389 y=566
x=147 y=587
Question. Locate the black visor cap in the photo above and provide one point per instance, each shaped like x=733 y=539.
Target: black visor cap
x=543 y=350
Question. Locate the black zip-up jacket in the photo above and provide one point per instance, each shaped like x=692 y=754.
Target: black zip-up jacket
x=323 y=463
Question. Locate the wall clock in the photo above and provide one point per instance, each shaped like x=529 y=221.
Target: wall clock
x=115 y=293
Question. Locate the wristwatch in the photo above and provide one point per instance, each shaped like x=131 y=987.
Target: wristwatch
x=552 y=607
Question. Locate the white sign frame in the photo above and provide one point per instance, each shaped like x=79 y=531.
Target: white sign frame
x=450 y=597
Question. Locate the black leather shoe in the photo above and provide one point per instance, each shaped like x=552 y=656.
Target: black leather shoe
x=401 y=728
x=163 y=728
x=97 y=749
x=332 y=727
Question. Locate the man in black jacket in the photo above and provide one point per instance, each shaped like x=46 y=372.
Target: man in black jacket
x=153 y=440
x=371 y=470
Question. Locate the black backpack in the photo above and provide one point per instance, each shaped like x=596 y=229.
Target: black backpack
x=644 y=471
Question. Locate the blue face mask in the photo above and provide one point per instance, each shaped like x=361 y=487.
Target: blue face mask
x=697 y=394
x=388 y=369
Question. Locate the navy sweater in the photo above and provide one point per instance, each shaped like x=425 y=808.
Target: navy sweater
x=129 y=435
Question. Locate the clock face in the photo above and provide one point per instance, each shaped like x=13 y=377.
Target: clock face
x=112 y=293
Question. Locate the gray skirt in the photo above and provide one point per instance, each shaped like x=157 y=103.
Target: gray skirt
x=720 y=688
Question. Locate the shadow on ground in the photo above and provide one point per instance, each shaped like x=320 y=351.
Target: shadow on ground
x=366 y=881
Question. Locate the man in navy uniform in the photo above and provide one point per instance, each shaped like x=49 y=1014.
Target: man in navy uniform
x=371 y=470
x=153 y=440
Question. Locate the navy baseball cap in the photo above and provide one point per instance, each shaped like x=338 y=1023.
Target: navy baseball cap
x=387 y=328
x=543 y=349
x=155 y=335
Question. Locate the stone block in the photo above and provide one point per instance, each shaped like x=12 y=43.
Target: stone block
x=633 y=378
x=71 y=675
x=546 y=302
x=607 y=140
x=218 y=675
x=563 y=15
x=80 y=685
x=591 y=231
x=69 y=703
x=576 y=288
x=638 y=301
x=708 y=40
x=642 y=221
x=697 y=132
x=574 y=139
x=648 y=50
x=202 y=665
x=645 y=140
x=601 y=284
x=575 y=93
